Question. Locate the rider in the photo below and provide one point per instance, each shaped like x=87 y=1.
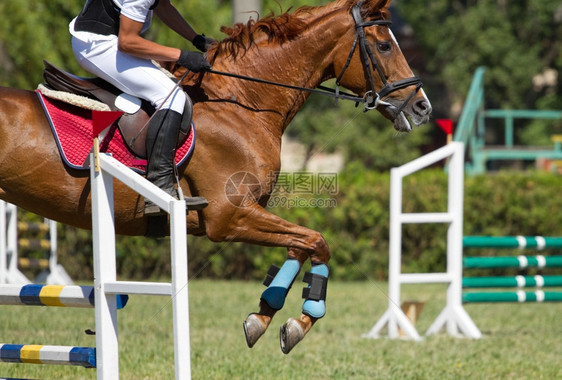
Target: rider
x=107 y=41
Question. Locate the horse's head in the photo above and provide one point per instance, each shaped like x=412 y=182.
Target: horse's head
x=376 y=68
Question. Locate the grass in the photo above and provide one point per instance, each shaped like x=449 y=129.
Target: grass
x=520 y=341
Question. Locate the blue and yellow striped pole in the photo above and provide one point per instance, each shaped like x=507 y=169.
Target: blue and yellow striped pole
x=39 y=354
x=52 y=295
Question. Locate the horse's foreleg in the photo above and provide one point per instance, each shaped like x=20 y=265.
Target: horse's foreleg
x=278 y=282
x=254 y=224
x=313 y=308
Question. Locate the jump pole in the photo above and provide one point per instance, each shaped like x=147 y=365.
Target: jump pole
x=52 y=295
x=521 y=242
x=43 y=354
x=517 y=296
x=520 y=261
x=512 y=281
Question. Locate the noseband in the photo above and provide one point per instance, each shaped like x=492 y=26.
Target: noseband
x=372 y=99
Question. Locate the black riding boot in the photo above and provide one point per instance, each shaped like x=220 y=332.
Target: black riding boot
x=161 y=140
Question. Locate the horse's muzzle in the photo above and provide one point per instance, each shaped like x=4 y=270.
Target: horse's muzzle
x=416 y=110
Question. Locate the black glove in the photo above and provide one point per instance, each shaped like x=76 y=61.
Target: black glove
x=193 y=61
x=203 y=43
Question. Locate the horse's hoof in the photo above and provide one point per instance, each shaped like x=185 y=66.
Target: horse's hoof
x=253 y=329
x=290 y=334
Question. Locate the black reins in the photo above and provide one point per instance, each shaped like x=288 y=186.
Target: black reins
x=372 y=98
x=320 y=90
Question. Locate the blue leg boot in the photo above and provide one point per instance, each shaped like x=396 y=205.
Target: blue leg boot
x=313 y=308
x=278 y=282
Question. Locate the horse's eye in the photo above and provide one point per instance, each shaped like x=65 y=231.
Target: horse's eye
x=384 y=46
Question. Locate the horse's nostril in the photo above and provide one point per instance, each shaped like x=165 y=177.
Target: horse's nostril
x=422 y=107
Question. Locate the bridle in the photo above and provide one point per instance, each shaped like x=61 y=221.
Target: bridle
x=371 y=99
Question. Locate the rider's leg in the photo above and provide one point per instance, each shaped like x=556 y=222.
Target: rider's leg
x=140 y=77
x=161 y=139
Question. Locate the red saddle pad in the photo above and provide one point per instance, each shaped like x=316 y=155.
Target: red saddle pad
x=72 y=128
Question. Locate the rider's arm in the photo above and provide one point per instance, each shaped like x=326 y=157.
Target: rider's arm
x=131 y=42
x=174 y=20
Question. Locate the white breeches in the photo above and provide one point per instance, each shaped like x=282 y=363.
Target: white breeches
x=135 y=76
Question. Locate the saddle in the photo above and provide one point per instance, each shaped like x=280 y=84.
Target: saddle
x=132 y=124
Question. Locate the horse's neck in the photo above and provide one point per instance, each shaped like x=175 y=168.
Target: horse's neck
x=304 y=62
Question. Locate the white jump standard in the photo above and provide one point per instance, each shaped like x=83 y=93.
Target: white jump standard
x=10 y=244
x=453 y=316
x=106 y=294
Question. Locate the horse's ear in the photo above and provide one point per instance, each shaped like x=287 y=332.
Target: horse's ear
x=383 y=4
x=375 y=5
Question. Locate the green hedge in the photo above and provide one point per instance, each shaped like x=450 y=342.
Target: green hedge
x=507 y=203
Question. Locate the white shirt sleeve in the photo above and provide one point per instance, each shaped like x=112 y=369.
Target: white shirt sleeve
x=136 y=10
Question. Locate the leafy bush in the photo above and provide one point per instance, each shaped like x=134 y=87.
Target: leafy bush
x=502 y=204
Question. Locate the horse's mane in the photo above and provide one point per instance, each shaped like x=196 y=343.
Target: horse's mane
x=284 y=27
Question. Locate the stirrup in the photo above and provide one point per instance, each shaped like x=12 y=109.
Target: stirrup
x=191 y=204
x=195 y=203
x=152 y=209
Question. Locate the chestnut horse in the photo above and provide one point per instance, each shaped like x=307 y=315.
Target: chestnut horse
x=239 y=126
